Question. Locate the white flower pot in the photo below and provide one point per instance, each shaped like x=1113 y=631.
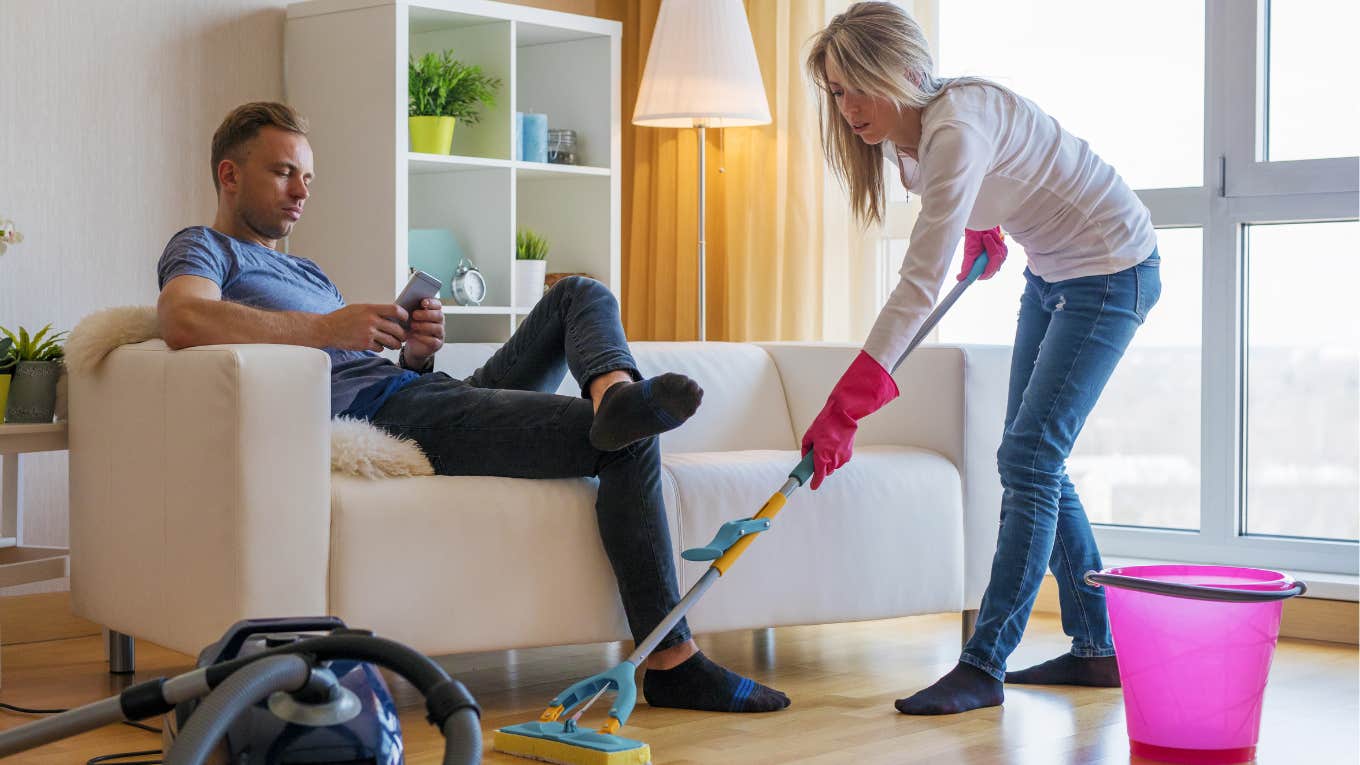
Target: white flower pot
x=528 y=281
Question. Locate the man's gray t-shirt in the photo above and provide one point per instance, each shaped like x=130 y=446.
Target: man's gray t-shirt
x=254 y=275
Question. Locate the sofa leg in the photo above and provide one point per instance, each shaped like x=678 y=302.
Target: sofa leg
x=122 y=654
x=969 y=624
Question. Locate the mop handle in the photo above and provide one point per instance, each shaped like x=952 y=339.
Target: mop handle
x=799 y=477
x=803 y=472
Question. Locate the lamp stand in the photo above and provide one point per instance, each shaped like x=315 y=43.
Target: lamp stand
x=703 y=303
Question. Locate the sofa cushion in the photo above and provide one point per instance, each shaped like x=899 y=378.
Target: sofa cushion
x=466 y=563
x=744 y=405
x=883 y=537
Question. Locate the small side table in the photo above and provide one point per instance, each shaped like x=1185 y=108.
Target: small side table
x=20 y=564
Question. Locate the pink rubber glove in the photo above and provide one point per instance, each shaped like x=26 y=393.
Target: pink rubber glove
x=864 y=388
x=974 y=242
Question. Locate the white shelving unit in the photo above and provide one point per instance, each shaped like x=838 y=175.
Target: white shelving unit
x=346 y=71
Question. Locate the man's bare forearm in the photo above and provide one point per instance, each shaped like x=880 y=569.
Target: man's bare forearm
x=195 y=321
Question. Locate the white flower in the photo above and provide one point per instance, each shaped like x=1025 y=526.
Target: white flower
x=8 y=235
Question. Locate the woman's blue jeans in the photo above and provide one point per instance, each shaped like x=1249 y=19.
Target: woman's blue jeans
x=1069 y=337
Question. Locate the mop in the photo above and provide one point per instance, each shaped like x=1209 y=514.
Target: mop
x=554 y=739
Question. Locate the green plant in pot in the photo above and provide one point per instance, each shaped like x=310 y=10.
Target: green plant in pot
x=531 y=265
x=38 y=362
x=444 y=92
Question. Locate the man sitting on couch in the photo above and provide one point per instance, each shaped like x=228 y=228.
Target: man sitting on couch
x=228 y=284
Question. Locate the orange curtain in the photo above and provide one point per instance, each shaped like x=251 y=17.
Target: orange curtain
x=784 y=260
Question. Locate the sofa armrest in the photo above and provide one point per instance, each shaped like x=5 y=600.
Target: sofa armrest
x=953 y=402
x=200 y=488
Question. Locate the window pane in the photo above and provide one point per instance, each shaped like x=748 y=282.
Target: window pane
x=1129 y=469
x=1126 y=77
x=1303 y=381
x=1313 y=62
x=1132 y=469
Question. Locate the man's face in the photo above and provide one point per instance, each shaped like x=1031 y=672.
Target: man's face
x=270 y=181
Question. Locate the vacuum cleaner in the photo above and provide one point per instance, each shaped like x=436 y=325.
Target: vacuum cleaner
x=266 y=692
x=557 y=740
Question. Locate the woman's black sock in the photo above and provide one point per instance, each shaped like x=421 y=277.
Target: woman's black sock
x=965 y=687
x=1093 y=671
x=632 y=411
x=698 y=683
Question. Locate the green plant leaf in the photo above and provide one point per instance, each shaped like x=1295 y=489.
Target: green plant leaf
x=24 y=347
x=530 y=246
x=441 y=86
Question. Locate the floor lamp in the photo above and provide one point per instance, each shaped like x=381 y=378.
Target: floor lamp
x=701 y=72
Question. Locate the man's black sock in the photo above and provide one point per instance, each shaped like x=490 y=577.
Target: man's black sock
x=1093 y=671
x=632 y=411
x=698 y=683
x=965 y=687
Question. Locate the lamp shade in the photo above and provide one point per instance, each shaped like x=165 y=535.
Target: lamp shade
x=701 y=69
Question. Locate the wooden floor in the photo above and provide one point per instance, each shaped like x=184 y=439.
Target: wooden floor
x=842 y=678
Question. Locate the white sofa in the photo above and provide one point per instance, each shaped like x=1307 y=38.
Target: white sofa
x=201 y=494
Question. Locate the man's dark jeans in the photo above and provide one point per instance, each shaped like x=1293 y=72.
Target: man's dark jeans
x=505 y=420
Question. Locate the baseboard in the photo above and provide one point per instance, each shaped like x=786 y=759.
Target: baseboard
x=1335 y=621
x=44 y=616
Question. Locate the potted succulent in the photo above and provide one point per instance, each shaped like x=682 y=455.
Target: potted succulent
x=33 y=392
x=531 y=264
x=443 y=92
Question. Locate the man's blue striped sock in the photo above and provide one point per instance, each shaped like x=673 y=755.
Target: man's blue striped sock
x=698 y=683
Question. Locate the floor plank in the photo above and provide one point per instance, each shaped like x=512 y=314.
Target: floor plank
x=843 y=679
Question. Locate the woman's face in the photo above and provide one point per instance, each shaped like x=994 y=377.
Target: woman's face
x=871 y=118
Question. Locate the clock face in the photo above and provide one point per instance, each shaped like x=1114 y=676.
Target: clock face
x=475 y=286
x=469 y=288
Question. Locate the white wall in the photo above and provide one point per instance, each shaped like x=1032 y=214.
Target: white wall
x=107 y=110
x=106 y=115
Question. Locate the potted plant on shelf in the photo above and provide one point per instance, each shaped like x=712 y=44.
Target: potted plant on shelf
x=443 y=92
x=33 y=392
x=531 y=253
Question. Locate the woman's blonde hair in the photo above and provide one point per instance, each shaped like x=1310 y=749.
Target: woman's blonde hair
x=882 y=51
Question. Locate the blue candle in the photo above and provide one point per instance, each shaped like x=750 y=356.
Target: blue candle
x=535 y=137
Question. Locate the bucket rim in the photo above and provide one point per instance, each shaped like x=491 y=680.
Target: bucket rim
x=1269 y=586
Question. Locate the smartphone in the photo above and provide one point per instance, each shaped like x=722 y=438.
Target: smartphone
x=420 y=286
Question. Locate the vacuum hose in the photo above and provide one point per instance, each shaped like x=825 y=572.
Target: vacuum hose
x=448 y=704
x=463 y=738
x=242 y=690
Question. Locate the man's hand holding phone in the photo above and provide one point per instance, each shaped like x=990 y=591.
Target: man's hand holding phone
x=366 y=327
x=425 y=331
x=426 y=335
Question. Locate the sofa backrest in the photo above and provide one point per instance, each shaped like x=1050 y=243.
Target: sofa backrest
x=744 y=405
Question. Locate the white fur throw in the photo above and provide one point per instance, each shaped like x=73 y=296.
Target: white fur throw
x=358 y=448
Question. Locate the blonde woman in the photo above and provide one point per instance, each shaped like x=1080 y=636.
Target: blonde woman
x=981 y=158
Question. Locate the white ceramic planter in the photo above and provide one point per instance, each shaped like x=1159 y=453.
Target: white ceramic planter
x=529 y=281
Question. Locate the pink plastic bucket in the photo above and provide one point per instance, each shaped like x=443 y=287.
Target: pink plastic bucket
x=1194 y=646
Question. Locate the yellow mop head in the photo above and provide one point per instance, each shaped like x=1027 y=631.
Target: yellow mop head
x=552 y=742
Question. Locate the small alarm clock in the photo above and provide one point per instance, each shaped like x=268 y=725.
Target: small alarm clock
x=467 y=285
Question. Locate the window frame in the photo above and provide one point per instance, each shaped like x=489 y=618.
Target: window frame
x=1241 y=187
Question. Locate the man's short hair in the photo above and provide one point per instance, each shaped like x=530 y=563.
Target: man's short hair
x=244 y=123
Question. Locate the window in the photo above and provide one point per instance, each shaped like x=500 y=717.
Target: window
x=1230 y=433
x=1131 y=469
x=1303 y=381
x=1312 y=63
x=1137 y=96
